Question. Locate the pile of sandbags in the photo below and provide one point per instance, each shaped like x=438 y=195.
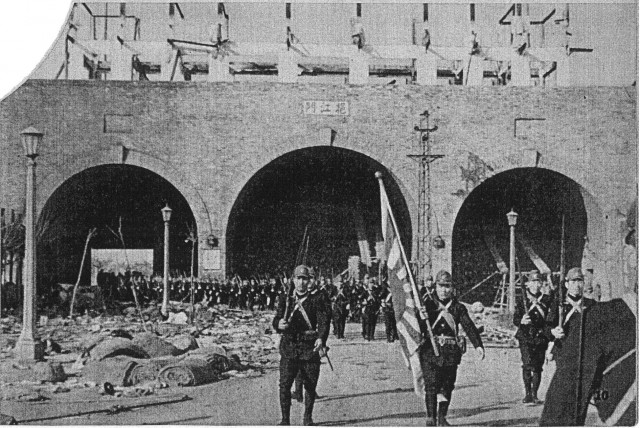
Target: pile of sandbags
x=147 y=358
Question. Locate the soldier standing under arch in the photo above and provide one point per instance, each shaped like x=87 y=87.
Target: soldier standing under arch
x=530 y=318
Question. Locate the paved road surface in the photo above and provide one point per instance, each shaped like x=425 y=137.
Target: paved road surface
x=369 y=387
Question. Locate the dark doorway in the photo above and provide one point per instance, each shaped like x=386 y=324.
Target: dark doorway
x=111 y=198
x=540 y=197
x=331 y=192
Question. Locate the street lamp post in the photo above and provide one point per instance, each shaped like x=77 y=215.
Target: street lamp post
x=166 y=216
x=29 y=348
x=512 y=218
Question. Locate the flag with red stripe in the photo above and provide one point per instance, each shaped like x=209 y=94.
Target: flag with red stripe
x=399 y=277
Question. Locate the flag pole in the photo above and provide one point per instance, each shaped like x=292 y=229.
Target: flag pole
x=416 y=296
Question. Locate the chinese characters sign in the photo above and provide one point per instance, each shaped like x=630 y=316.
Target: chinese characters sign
x=340 y=108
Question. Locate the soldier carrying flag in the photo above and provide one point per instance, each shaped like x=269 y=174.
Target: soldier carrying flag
x=445 y=313
x=428 y=331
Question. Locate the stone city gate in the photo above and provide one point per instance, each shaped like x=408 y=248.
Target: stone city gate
x=214 y=142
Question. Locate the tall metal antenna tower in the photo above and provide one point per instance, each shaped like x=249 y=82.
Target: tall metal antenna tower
x=425 y=237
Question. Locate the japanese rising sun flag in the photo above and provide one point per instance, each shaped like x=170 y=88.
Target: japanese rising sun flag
x=401 y=283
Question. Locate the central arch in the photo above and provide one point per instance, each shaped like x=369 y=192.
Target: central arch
x=332 y=191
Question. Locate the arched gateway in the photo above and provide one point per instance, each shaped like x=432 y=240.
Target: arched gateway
x=331 y=192
x=111 y=198
x=541 y=198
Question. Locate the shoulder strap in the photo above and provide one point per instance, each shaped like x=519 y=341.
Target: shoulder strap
x=302 y=312
x=444 y=313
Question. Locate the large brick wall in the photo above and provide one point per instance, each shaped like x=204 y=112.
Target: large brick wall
x=208 y=140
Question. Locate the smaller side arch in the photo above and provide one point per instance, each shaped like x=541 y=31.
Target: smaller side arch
x=541 y=197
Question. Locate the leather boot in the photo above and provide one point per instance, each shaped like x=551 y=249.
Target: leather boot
x=526 y=378
x=285 y=408
x=309 y=400
x=432 y=404
x=443 y=408
x=286 y=418
x=535 y=384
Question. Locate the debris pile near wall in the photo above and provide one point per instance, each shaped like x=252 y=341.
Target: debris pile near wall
x=120 y=356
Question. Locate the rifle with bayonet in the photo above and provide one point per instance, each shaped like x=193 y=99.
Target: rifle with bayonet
x=300 y=256
x=562 y=277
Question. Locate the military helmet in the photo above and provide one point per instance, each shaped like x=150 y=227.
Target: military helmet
x=302 y=271
x=575 y=273
x=534 y=276
x=443 y=277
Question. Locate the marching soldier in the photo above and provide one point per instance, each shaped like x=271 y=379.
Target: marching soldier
x=370 y=308
x=389 y=316
x=598 y=365
x=272 y=293
x=303 y=320
x=444 y=313
x=313 y=289
x=530 y=318
x=340 y=311
x=572 y=307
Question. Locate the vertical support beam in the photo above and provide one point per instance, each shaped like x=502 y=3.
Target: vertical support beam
x=121 y=62
x=219 y=68
x=287 y=67
x=426 y=69
x=475 y=71
x=358 y=67
x=520 y=70
x=563 y=69
x=168 y=68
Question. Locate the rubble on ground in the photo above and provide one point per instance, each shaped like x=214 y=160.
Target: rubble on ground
x=136 y=358
x=496 y=328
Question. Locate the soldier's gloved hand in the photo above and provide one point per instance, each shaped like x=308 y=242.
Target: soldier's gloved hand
x=526 y=319
x=480 y=352
x=558 y=332
x=423 y=313
x=318 y=346
x=283 y=324
x=323 y=351
x=548 y=356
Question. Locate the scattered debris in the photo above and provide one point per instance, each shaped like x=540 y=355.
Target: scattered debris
x=48 y=372
x=93 y=349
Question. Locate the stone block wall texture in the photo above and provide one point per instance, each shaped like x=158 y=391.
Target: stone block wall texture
x=209 y=139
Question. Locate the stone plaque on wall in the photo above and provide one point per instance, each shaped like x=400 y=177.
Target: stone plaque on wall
x=211 y=259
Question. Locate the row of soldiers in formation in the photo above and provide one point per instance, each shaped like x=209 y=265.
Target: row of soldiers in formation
x=353 y=300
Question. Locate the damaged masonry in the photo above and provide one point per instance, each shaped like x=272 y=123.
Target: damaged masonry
x=168 y=167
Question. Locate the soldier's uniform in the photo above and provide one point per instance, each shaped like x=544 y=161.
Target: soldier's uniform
x=389 y=316
x=607 y=372
x=532 y=337
x=340 y=312
x=308 y=320
x=602 y=359
x=313 y=289
x=572 y=307
x=370 y=308
x=440 y=371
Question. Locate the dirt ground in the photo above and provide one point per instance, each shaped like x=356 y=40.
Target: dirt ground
x=369 y=387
